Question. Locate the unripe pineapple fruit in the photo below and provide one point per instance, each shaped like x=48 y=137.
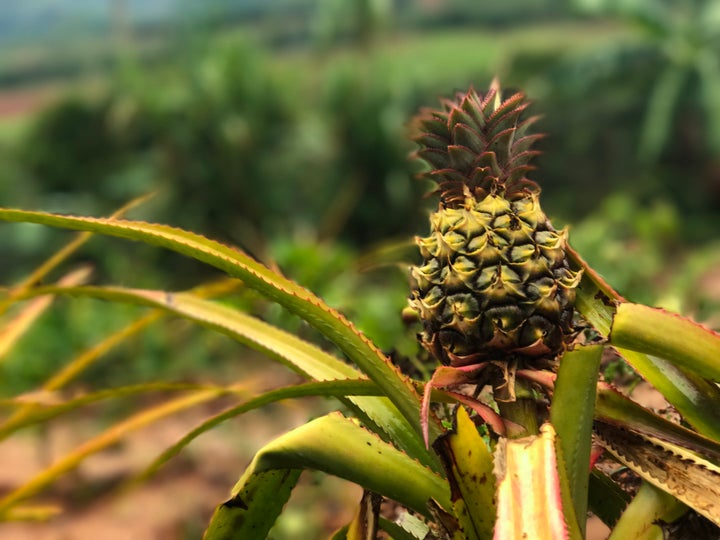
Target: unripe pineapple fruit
x=494 y=282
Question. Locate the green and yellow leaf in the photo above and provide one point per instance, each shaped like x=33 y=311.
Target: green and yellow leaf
x=530 y=495
x=296 y=299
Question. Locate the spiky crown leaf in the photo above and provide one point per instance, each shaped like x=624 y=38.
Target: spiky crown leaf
x=477 y=145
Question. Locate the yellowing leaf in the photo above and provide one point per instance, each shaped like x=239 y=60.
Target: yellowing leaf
x=469 y=464
x=529 y=495
x=364 y=525
x=102 y=441
x=13 y=330
x=688 y=476
x=371 y=361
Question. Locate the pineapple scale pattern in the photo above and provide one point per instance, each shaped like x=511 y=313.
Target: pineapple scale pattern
x=495 y=280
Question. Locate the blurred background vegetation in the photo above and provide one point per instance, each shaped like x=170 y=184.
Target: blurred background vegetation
x=281 y=127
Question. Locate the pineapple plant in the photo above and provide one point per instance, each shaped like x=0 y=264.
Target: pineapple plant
x=495 y=283
x=499 y=285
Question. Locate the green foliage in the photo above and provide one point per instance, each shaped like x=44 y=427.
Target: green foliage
x=638 y=114
x=641 y=249
x=381 y=449
x=229 y=133
x=630 y=244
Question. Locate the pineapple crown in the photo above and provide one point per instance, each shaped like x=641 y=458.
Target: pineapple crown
x=477 y=145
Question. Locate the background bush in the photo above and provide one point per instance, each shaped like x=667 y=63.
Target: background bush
x=281 y=127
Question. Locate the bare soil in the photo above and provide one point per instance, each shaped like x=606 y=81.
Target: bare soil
x=178 y=502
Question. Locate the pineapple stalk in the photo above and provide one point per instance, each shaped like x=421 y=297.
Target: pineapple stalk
x=522 y=409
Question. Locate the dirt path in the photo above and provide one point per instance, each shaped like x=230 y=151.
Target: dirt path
x=174 y=505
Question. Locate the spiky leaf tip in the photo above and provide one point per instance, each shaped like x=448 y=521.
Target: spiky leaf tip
x=478 y=145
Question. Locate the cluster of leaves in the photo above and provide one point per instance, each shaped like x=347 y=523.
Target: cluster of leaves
x=449 y=490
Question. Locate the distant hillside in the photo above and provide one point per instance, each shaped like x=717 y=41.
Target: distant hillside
x=27 y=21
x=22 y=22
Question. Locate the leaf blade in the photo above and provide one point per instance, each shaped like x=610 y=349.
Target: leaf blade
x=299 y=355
x=337 y=445
x=272 y=285
x=663 y=334
x=252 y=512
x=694 y=397
x=572 y=412
x=469 y=464
x=530 y=499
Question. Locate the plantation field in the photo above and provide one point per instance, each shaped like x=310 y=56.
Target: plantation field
x=296 y=150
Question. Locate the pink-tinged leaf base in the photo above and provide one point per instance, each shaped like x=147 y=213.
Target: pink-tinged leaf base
x=446 y=376
x=529 y=502
x=546 y=379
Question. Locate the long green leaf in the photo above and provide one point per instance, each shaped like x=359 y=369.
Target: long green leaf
x=251 y=513
x=606 y=499
x=299 y=355
x=340 y=447
x=667 y=335
x=274 y=286
x=200 y=393
x=63 y=254
x=572 y=411
x=694 y=397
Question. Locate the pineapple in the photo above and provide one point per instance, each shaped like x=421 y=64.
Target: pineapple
x=494 y=283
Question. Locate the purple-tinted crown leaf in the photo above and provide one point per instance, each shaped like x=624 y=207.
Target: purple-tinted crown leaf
x=523 y=126
x=431 y=140
x=436 y=158
x=464 y=135
x=502 y=143
x=458 y=116
x=522 y=159
x=489 y=161
x=478 y=145
x=449 y=175
x=515 y=104
x=477 y=110
x=461 y=158
x=524 y=143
